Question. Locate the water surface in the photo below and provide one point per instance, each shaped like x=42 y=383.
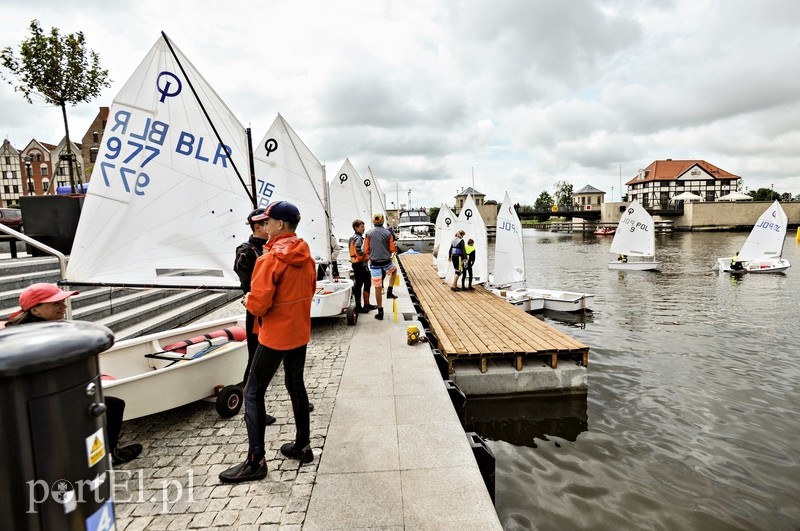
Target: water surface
x=691 y=416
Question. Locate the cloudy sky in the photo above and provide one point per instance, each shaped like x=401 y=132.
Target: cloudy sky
x=437 y=95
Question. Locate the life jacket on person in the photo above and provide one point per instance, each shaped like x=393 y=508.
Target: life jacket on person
x=233 y=333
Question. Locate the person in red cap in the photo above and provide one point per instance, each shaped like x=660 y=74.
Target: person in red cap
x=40 y=302
x=47 y=302
x=281 y=290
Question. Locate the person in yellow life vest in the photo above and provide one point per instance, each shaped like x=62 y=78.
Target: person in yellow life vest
x=736 y=264
x=469 y=261
x=623 y=258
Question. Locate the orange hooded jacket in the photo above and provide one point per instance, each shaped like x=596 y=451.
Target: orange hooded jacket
x=283 y=284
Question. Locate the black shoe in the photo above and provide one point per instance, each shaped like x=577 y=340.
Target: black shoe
x=269 y=420
x=370 y=307
x=363 y=310
x=125 y=454
x=250 y=470
x=310 y=407
x=304 y=455
x=390 y=295
x=379 y=315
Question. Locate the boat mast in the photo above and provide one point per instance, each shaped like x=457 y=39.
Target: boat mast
x=251 y=162
x=205 y=113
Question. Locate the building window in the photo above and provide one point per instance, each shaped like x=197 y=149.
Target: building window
x=95 y=137
x=45 y=184
x=93 y=154
x=44 y=171
x=37 y=157
x=8 y=160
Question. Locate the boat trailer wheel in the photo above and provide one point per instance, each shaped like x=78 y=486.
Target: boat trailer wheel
x=229 y=401
x=352 y=316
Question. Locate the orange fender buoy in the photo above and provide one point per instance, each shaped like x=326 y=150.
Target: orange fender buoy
x=233 y=333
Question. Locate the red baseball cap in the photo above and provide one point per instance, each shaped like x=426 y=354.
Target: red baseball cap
x=39 y=294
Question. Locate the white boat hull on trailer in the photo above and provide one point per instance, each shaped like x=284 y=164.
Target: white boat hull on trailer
x=756 y=266
x=632 y=265
x=150 y=385
x=563 y=301
x=333 y=298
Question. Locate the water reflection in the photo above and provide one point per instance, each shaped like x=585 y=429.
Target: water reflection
x=570 y=319
x=522 y=420
x=692 y=398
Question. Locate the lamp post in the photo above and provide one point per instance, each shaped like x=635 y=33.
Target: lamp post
x=612 y=194
x=772 y=192
x=29 y=173
x=409 y=199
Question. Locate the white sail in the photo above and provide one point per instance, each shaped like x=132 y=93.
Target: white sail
x=349 y=200
x=445 y=223
x=287 y=170
x=377 y=203
x=767 y=236
x=509 y=258
x=470 y=221
x=635 y=234
x=166 y=205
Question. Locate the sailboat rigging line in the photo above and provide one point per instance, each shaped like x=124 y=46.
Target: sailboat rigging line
x=252 y=165
x=130 y=285
x=205 y=113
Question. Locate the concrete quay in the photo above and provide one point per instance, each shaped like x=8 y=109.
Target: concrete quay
x=389 y=450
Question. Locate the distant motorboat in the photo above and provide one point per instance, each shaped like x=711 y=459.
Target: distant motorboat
x=415 y=231
x=605 y=231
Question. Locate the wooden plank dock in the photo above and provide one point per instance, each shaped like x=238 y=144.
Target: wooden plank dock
x=478 y=324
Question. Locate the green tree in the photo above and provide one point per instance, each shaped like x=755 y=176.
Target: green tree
x=563 y=195
x=764 y=194
x=59 y=69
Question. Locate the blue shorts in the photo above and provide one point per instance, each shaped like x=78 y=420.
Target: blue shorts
x=376 y=273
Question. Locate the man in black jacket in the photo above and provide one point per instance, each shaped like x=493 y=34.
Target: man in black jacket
x=246 y=255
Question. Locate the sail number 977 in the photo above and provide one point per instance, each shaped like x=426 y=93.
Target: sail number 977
x=128 y=176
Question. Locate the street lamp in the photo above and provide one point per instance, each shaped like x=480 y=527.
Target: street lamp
x=29 y=174
x=612 y=194
x=409 y=199
x=772 y=192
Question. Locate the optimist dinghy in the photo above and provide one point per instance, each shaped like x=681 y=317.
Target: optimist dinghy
x=635 y=241
x=761 y=252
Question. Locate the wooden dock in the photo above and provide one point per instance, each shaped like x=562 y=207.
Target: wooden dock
x=477 y=324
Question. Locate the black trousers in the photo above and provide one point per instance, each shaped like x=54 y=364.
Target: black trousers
x=115 y=408
x=361 y=281
x=265 y=365
x=252 y=344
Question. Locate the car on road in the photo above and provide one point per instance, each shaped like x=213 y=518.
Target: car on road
x=11 y=217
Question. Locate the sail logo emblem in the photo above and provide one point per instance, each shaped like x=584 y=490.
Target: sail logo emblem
x=164 y=85
x=468 y=213
x=271 y=145
x=367 y=183
x=447 y=221
x=342 y=178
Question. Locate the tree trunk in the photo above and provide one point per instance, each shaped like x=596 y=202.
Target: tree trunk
x=69 y=150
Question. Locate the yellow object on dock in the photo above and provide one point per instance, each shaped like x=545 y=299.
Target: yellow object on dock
x=412 y=334
x=798 y=235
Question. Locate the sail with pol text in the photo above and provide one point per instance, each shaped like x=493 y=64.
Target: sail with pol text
x=167 y=203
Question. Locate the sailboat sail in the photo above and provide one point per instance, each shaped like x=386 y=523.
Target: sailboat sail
x=509 y=258
x=349 y=200
x=287 y=170
x=768 y=235
x=377 y=203
x=635 y=234
x=167 y=204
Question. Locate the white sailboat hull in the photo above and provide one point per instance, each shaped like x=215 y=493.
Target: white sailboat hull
x=634 y=266
x=420 y=245
x=764 y=265
x=332 y=298
x=521 y=298
x=150 y=386
x=563 y=301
